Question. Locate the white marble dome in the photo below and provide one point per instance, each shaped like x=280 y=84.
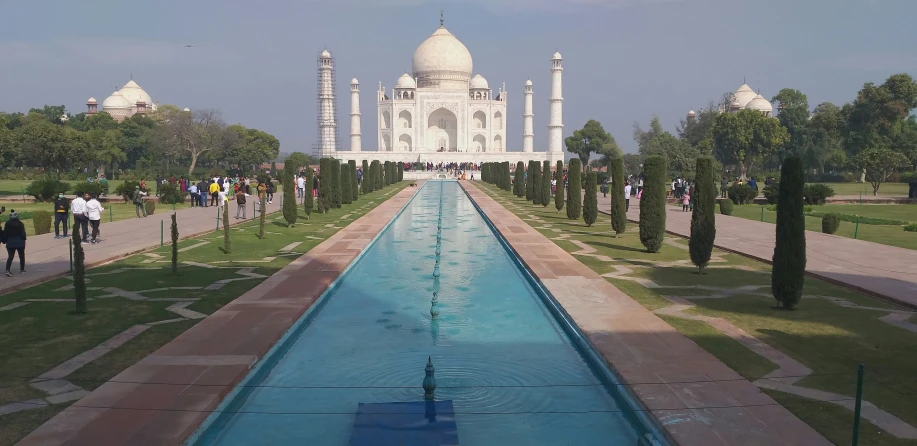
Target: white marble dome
x=91 y=100
x=405 y=81
x=478 y=82
x=354 y=81
x=134 y=94
x=116 y=101
x=743 y=96
x=528 y=83
x=442 y=61
x=325 y=54
x=556 y=56
x=758 y=103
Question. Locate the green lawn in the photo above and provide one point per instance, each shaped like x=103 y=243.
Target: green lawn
x=891 y=235
x=885 y=189
x=828 y=338
x=17 y=187
x=40 y=335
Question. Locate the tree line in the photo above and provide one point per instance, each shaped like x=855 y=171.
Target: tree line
x=160 y=142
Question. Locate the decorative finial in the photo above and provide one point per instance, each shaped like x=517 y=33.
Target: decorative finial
x=743 y=80
x=132 y=76
x=429 y=381
x=442 y=20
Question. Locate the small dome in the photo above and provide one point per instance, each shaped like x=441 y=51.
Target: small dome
x=91 y=100
x=691 y=113
x=758 y=103
x=326 y=54
x=743 y=96
x=116 y=102
x=442 y=60
x=354 y=81
x=528 y=83
x=406 y=81
x=186 y=109
x=478 y=82
x=556 y=57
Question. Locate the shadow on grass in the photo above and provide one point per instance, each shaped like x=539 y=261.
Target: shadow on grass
x=620 y=247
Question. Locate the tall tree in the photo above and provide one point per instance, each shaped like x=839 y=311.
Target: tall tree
x=592 y=138
x=826 y=133
x=618 y=211
x=876 y=115
x=308 y=202
x=366 y=185
x=590 y=200
x=346 y=196
x=680 y=154
x=793 y=115
x=574 y=189
x=192 y=134
x=545 y=183
x=335 y=180
x=529 y=183
x=535 y=176
x=559 y=178
x=52 y=147
x=703 y=217
x=652 y=203
x=324 y=185
x=878 y=164
x=789 y=262
x=518 y=179
x=354 y=187
x=746 y=138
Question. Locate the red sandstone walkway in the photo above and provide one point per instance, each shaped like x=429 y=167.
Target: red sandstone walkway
x=880 y=270
x=163 y=398
x=47 y=257
x=696 y=398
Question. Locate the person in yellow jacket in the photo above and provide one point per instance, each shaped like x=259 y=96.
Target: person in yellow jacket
x=214 y=190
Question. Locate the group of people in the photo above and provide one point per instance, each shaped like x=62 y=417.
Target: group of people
x=87 y=213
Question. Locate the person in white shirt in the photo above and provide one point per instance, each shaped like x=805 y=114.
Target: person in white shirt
x=221 y=198
x=300 y=186
x=94 y=214
x=627 y=189
x=78 y=209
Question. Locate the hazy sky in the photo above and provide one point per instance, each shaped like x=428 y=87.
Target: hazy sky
x=624 y=60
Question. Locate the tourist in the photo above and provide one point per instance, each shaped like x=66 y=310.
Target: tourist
x=104 y=183
x=300 y=186
x=605 y=188
x=61 y=215
x=315 y=184
x=240 y=203
x=639 y=184
x=222 y=198
x=685 y=202
x=14 y=237
x=627 y=189
x=94 y=214
x=724 y=184
x=137 y=199
x=214 y=190
x=202 y=193
x=78 y=209
x=192 y=189
x=270 y=190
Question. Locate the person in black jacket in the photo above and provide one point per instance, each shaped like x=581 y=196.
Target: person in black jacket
x=14 y=237
x=61 y=215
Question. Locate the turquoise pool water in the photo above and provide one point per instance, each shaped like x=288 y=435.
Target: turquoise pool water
x=513 y=374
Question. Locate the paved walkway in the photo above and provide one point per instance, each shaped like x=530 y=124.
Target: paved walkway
x=47 y=257
x=163 y=398
x=695 y=397
x=884 y=271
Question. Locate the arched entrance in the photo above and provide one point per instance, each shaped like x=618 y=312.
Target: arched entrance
x=442 y=131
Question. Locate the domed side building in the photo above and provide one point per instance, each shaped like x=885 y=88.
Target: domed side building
x=746 y=98
x=124 y=103
x=440 y=106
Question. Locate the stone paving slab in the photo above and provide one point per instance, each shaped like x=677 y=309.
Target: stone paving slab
x=163 y=398
x=883 y=271
x=696 y=399
x=48 y=258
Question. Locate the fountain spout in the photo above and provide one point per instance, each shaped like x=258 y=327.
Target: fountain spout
x=429 y=381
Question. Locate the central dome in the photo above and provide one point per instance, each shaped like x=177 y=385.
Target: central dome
x=442 y=61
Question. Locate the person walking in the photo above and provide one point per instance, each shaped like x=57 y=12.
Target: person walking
x=685 y=201
x=240 y=203
x=270 y=190
x=61 y=215
x=605 y=188
x=78 y=209
x=139 y=208
x=195 y=199
x=300 y=186
x=94 y=214
x=724 y=184
x=627 y=189
x=14 y=237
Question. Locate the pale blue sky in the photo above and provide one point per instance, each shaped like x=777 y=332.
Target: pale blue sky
x=624 y=60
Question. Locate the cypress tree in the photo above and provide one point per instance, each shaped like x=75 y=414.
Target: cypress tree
x=79 y=271
x=387 y=177
x=289 y=202
x=335 y=183
x=273 y=169
x=559 y=194
x=618 y=211
x=703 y=218
x=789 y=262
x=263 y=200
x=529 y=185
x=308 y=202
x=535 y=174
x=376 y=167
x=346 y=197
x=546 y=183
x=174 y=233
x=354 y=187
x=590 y=200
x=400 y=172
x=227 y=246
x=507 y=181
x=652 y=203
x=519 y=180
x=365 y=187
x=324 y=185
x=575 y=190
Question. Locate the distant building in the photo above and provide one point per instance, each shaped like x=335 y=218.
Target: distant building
x=742 y=99
x=124 y=103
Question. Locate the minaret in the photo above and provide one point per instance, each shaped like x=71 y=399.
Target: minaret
x=556 y=122
x=327 y=125
x=528 y=134
x=356 y=136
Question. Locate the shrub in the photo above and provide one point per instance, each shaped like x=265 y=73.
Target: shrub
x=703 y=217
x=46 y=189
x=911 y=228
x=94 y=189
x=150 y=206
x=41 y=220
x=126 y=190
x=906 y=177
x=590 y=200
x=170 y=193
x=830 y=223
x=346 y=196
x=546 y=183
x=354 y=187
x=559 y=194
x=652 y=203
x=816 y=194
x=789 y=261
x=741 y=193
x=618 y=211
x=771 y=192
x=725 y=206
x=324 y=185
x=575 y=190
x=290 y=213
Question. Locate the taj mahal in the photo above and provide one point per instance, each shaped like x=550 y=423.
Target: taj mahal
x=440 y=112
